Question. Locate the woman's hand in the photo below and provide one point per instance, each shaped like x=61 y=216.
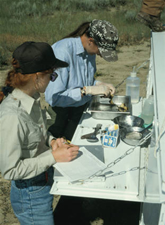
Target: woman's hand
x=65 y=152
x=97 y=90
x=110 y=86
x=57 y=143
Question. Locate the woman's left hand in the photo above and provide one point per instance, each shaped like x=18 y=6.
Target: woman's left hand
x=57 y=143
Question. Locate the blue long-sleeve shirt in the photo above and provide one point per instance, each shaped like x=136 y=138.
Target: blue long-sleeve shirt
x=65 y=91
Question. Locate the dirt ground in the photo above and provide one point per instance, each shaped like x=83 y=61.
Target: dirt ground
x=115 y=72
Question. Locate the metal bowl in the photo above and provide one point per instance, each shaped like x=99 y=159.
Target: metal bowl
x=128 y=121
x=125 y=135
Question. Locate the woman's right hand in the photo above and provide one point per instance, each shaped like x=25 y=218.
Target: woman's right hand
x=65 y=153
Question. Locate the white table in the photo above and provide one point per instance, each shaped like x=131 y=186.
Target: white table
x=125 y=178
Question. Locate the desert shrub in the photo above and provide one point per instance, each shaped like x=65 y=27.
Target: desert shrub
x=113 y=3
x=21 y=8
x=85 y=5
x=47 y=7
x=4 y=56
x=130 y=15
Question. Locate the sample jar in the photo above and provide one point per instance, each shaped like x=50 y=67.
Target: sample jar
x=133 y=87
x=148 y=110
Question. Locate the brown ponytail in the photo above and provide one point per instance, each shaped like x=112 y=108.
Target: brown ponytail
x=82 y=29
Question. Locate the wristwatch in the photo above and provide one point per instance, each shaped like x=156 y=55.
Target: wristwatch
x=83 y=92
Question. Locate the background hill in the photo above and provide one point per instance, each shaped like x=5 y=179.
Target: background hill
x=50 y=20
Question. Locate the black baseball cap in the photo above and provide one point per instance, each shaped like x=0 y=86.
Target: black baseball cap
x=36 y=57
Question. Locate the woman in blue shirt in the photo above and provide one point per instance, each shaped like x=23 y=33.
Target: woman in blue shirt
x=75 y=86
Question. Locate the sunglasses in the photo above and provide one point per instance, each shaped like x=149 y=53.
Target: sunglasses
x=53 y=76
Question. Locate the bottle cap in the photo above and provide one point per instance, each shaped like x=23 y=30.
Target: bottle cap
x=133 y=74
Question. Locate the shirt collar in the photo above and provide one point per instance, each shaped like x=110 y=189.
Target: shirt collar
x=79 y=46
x=26 y=100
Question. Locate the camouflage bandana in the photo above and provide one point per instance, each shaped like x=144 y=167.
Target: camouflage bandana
x=106 y=38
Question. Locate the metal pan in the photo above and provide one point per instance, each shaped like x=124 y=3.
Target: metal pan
x=132 y=141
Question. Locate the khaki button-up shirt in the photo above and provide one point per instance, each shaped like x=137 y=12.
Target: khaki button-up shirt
x=24 y=140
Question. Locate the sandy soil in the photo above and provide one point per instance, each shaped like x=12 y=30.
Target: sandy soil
x=129 y=56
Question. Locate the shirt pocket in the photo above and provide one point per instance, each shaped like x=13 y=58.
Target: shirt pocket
x=33 y=137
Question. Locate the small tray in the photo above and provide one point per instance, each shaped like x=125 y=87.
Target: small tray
x=101 y=108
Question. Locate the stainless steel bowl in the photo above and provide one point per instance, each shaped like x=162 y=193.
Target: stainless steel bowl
x=128 y=121
x=125 y=135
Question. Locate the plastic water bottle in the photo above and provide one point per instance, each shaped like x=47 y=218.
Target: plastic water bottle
x=133 y=87
x=148 y=110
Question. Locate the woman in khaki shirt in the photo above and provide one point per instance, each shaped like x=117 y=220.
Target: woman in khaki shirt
x=27 y=150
